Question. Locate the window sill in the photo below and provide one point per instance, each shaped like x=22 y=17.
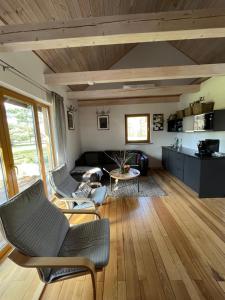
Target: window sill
x=151 y=143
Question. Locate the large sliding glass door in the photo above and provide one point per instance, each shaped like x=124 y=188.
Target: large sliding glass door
x=27 y=152
x=3 y=198
x=23 y=142
x=3 y=189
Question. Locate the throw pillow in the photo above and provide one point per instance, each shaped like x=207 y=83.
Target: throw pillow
x=83 y=191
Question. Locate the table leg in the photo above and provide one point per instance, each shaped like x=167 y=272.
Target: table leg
x=138 y=184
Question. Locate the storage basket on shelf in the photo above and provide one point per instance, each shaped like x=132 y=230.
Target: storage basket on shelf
x=180 y=114
x=202 y=107
x=188 y=111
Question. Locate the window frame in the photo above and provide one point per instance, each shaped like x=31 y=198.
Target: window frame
x=6 y=150
x=12 y=186
x=147 y=141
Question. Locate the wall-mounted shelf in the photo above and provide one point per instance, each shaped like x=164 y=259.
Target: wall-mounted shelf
x=175 y=125
x=187 y=125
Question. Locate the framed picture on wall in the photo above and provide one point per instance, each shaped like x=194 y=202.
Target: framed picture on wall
x=71 y=119
x=158 y=122
x=103 y=122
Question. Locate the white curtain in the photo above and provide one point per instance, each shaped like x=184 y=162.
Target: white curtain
x=59 y=128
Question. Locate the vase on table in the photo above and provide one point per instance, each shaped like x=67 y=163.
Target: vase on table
x=124 y=169
x=121 y=170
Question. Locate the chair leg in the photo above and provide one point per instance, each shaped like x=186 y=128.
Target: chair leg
x=94 y=284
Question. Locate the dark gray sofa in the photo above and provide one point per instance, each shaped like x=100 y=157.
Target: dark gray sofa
x=102 y=160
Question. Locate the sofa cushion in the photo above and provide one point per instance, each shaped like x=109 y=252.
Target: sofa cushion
x=87 y=173
x=83 y=191
x=98 y=195
x=92 y=158
x=106 y=158
x=133 y=159
x=110 y=167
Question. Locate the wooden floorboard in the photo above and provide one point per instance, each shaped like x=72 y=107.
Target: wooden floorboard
x=170 y=247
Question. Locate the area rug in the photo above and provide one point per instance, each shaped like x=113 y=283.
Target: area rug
x=148 y=187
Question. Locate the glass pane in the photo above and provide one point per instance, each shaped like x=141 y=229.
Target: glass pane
x=46 y=143
x=3 y=191
x=3 y=242
x=23 y=142
x=3 y=198
x=137 y=128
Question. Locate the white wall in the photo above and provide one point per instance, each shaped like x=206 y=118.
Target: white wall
x=150 y=55
x=143 y=55
x=93 y=139
x=73 y=147
x=31 y=65
x=212 y=89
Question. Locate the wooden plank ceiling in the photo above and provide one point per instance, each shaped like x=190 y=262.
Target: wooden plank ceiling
x=102 y=57
x=115 y=30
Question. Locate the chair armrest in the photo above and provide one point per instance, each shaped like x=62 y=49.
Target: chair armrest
x=39 y=262
x=81 y=212
x=78 y=200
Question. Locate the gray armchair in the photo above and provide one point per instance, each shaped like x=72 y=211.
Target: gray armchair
x=66 y=187
x=43 y=238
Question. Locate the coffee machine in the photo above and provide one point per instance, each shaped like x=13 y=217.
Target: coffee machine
x=207 y=147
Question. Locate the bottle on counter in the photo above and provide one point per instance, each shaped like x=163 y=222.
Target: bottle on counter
x=180 y=144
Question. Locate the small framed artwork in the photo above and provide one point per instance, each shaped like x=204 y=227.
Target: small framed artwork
x=103 y=122
x=158 y=122
x=71 y=119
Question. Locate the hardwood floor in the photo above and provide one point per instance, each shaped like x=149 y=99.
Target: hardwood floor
x=18 y=283
x=170 y=247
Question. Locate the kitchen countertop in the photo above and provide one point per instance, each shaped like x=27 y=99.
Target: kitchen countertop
x=191 y=152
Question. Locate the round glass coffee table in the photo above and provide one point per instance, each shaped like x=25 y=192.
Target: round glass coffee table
x=131 y=175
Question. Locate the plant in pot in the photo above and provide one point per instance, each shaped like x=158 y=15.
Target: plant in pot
x=122 y=159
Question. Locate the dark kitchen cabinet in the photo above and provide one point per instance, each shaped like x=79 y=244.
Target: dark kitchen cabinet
x=219 y=120
x=204 y=175
x=192 y=172
x=212 y=178
x=176 y=164
x=165 y=160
